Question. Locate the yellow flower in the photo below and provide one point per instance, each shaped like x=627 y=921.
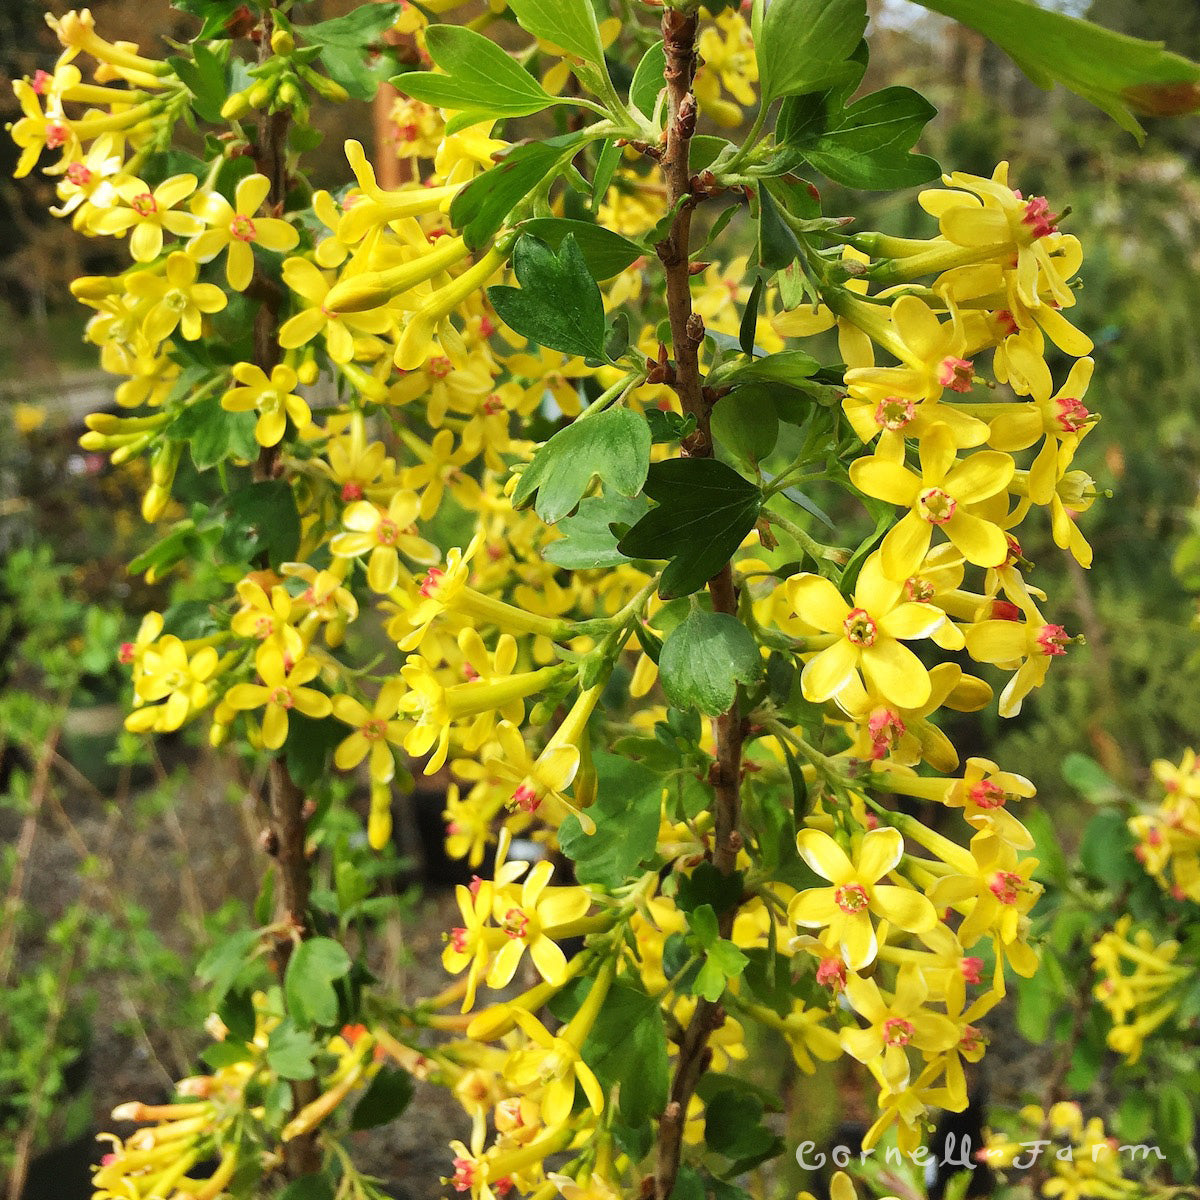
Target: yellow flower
x=174 y=298
x=939 y=497
x=264 y=616
x=386 y=534
x=166 y=671
x=530 y=922
x=867 y=636
x=371 y=206
x=845 y=908
x=472 y=943
x=280 y=691
x=895 y=1025
x=148 y=213
x=234 y=229
x=312 y=286
x=273 y=398
x=374 y=731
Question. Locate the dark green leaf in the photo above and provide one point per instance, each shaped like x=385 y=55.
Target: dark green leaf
x=479 y=76
x=309 y=746
x=1106 y=849
x=627 y=1048
x=387 y=1097
x=205 y=75
x=1120 y=75
x=706 y=885
x=868 y=144
x=704 y=659
x=749 y=323
x=558 y=304
x=668 y=426
x=705 y=509
x=778 y=246
x=745 y=423
x=222 y=964
x=310 y=1187
x=214 y=435
x=588 y=541
x=226 y=1053
x=613 y=445
x=606 y=253
x=803 y=45
x=482 y=207
x=626 y=811
x=263 y=522
x=308 y=983
x=733 y=1125
x=1052 y=863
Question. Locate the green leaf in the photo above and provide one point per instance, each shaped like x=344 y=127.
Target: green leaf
x=606 y=253
x=647 y=83
x=746 y=423
x=703 y=922
x=626 y=811
x=308 y=982
x=214 y=435
x=483 y=206
x=789 y=367
x=352 y=48
x=704 y=511
x=263 y=522
x=290 y=1051
x=1052 y=863
x=627 y=1048
x=704 y=659
x=1176 y=1127
x=309 y=746
x=749 y=322
x=387 y=1097
x=777 y=244
x=1106 y=849
x=479 y=76
x=1120 y=75
x=1089 y=778
x=558 y=304
x=613 y=445
x=733 y=1124
x=803 y=45
x=868 y=144
x=205 y=75
x=588 y=541
x=706 y=885
x=223 y=963
x=309 y=1187
x=570 y=24
x=606 y=166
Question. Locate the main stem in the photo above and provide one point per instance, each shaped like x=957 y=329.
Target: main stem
x=687 y=335
x=286 y=833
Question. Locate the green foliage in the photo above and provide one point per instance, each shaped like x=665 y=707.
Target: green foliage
x=703 y=660
x=802 y=45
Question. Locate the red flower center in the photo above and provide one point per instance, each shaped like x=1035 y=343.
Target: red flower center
x=1053 y=640
x=242 y=228
x=144 y=204
x=1038 y=217
x=859 y=628
x=1070 y=413
x=897 y=1031
x=433 y=577
x=1006 y=886
x=936 y=506
x=851 y=898
x=439 y=366
x=387 y=532
x=79 y=175
x=282 y=697
x=886 y=729
x=988 y=794
x=894 y=412
x=956 y=373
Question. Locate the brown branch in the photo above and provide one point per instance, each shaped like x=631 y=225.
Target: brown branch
x=287 y=823
x=687 y=334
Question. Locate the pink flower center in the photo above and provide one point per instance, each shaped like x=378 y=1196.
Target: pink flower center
x=1005 y=610
x=242 y=228
x=282 y=697
x=886 y=729
x=493 y=405
x=1006 y=886
x=486 y=328
x=1070 y=413
x=919 y=590
x=859 y=628
x=897 y=1031
x=502 y=1186
x=1038 y=217
x=439 y=366
x=375 y=730
x=144 y=204
x=125 y=653
x=433 y=578
x=458 y=939
x=987 y=794
x=351 y=491
x=972 y=970
x=79 y=175
x=464 y=1175
x=40 y=81
x=516 y=924
x=56 y=135
x=1007 y=322
x=851 y=898
x=832 y=974
x=1015 y=553
x=387 y=532
x=894 y=412
x=526 y=798
x=1053 y=640
x=936 y=506
x=956 y=373
x=263 y=628
x=971 y=1039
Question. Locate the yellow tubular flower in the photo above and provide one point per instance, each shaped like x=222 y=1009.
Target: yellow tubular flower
x=234 y=228
x=867 y=636
x=845 y=908
x=374 y=731
x=386 y=534
x=273 y=399
x=281 y=691
x=939 y=497
x=373 y=206
x=148 y=213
